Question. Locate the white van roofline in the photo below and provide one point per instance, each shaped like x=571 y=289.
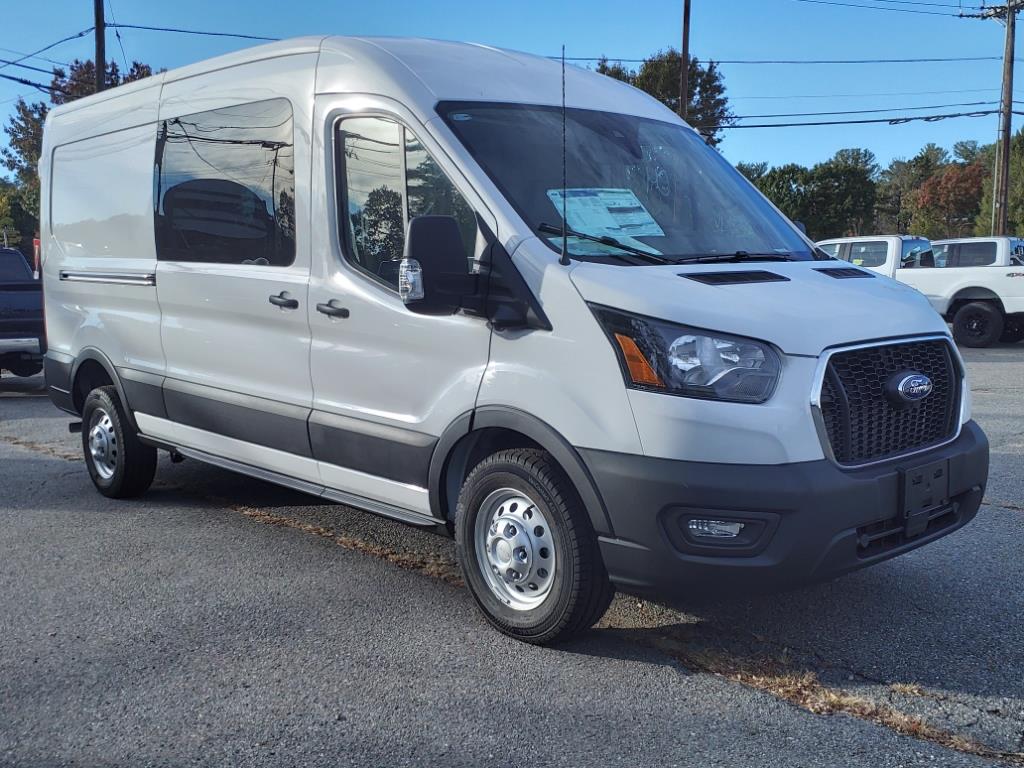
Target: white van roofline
x=418 y=70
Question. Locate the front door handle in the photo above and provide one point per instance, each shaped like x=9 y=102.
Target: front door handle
x=282 y=300
x=331 y=309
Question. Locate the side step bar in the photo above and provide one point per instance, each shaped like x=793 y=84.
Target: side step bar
x=314 y=489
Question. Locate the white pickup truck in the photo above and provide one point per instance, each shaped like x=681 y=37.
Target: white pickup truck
x=976 y=284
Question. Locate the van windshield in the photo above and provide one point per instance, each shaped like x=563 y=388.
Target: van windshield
x=648 y=184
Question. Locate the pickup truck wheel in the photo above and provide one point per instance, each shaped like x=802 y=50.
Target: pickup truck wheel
x=1013 y=332
x=120 y=466
x=527 y=549
x=24 y=368
x=977 y=324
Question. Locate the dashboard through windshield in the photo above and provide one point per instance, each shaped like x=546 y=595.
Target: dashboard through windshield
x=646 y=184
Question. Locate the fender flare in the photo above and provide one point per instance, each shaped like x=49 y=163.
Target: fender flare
x=977 y=293
x=546 y=436
x=94 y=354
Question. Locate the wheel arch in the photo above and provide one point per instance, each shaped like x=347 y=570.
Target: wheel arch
x=475 y=435
x=970 y=294
x=93 y=368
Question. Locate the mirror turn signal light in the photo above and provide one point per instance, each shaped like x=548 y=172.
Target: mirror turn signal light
x=640 y=370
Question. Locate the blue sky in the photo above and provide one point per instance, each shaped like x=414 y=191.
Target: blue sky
x=721 y=29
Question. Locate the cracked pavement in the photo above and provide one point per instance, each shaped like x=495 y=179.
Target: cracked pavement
x=221 y=620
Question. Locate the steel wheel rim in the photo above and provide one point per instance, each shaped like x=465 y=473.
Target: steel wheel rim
x=515 y=549
x=977 y=325
x=103 y=447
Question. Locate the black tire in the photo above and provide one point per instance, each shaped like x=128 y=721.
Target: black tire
x=579 y=591
x=978 y=324
x=24 y=368
x=1013 y=331
x=120 y=466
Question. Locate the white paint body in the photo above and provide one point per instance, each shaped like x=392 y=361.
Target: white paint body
x=210 y=326
x=1004 y=278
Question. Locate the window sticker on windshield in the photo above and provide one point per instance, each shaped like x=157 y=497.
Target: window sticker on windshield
x=615 y=212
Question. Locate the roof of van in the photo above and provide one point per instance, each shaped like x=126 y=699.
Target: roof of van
x=421 y=69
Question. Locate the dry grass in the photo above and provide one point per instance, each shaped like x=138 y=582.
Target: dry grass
x=908 y=689
x=56 y=452
x=431 y=565
x=803 y=689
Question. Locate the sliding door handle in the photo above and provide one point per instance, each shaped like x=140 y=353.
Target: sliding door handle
x=281 y=300
x=331 y=309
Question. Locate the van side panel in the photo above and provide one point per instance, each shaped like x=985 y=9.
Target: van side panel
x=98 y=253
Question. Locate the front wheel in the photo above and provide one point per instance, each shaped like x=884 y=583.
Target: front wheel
x=527 y=549
x=977 y=324
x=120 y=466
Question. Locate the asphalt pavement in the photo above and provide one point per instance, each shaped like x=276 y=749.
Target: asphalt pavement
x=219 y=620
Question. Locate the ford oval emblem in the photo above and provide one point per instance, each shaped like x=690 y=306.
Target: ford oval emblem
x=914 y=387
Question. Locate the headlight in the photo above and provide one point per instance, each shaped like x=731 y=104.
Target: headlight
x=659 y=356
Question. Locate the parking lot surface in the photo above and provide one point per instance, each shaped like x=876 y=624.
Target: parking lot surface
x=223 y=621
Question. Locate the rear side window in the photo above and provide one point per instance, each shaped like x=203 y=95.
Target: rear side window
x=386 y=178
x=832 y=249
x=868 y=254
x=976 y=254
x=225 y=186
x=13 y=266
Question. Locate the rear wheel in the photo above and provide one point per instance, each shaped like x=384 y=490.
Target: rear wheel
x=527 y=549
x=977 y=324
x=1013 y=330
x=120 y=466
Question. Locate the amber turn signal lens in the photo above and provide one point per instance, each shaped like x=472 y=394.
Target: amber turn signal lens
x=640 y=370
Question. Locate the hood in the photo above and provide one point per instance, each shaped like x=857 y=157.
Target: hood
x=802 y=313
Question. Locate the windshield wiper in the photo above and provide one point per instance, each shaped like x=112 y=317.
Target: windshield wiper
x=737 y=256
x=650 y=258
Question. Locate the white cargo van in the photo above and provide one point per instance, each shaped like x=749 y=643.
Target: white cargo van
x=976 y=283
x=337 y=264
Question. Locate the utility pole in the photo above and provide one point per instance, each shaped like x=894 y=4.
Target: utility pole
x=1001 y=173
x=684 y=63
x=101 y=44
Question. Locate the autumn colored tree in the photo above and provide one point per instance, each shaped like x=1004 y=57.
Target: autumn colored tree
x=948 y=202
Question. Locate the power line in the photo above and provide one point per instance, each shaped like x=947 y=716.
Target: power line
x=192 y=32
x=865 y=121
x=863 y=95
x=75 y=36
x=30 y=56
x=869 y=111
x=929 y=60
x=39 y=86
x=881 y=8
x=8 y=62
x=117 y=34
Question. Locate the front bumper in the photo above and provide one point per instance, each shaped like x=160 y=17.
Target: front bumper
x=812 y=521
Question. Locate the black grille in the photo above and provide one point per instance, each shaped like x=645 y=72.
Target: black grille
x=735 y=278
x=864 y=425
x=845 y=273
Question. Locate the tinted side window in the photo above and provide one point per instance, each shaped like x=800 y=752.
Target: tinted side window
x=387 y=178
x=225 y=186
x=976 y=254
x=868 y=254
x=13 y=265
x=942 y=254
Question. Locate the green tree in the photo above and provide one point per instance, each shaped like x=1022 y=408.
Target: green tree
x=25 y=127
x=753 y=171
x=858 y=158
x=1015 y=216
x=708 y=107
x=841 y=194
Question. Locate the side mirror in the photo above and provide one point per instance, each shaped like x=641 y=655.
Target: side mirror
x=433 y=277
x=801 y=226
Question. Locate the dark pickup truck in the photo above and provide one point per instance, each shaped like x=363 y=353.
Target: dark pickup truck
x=22 y=335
